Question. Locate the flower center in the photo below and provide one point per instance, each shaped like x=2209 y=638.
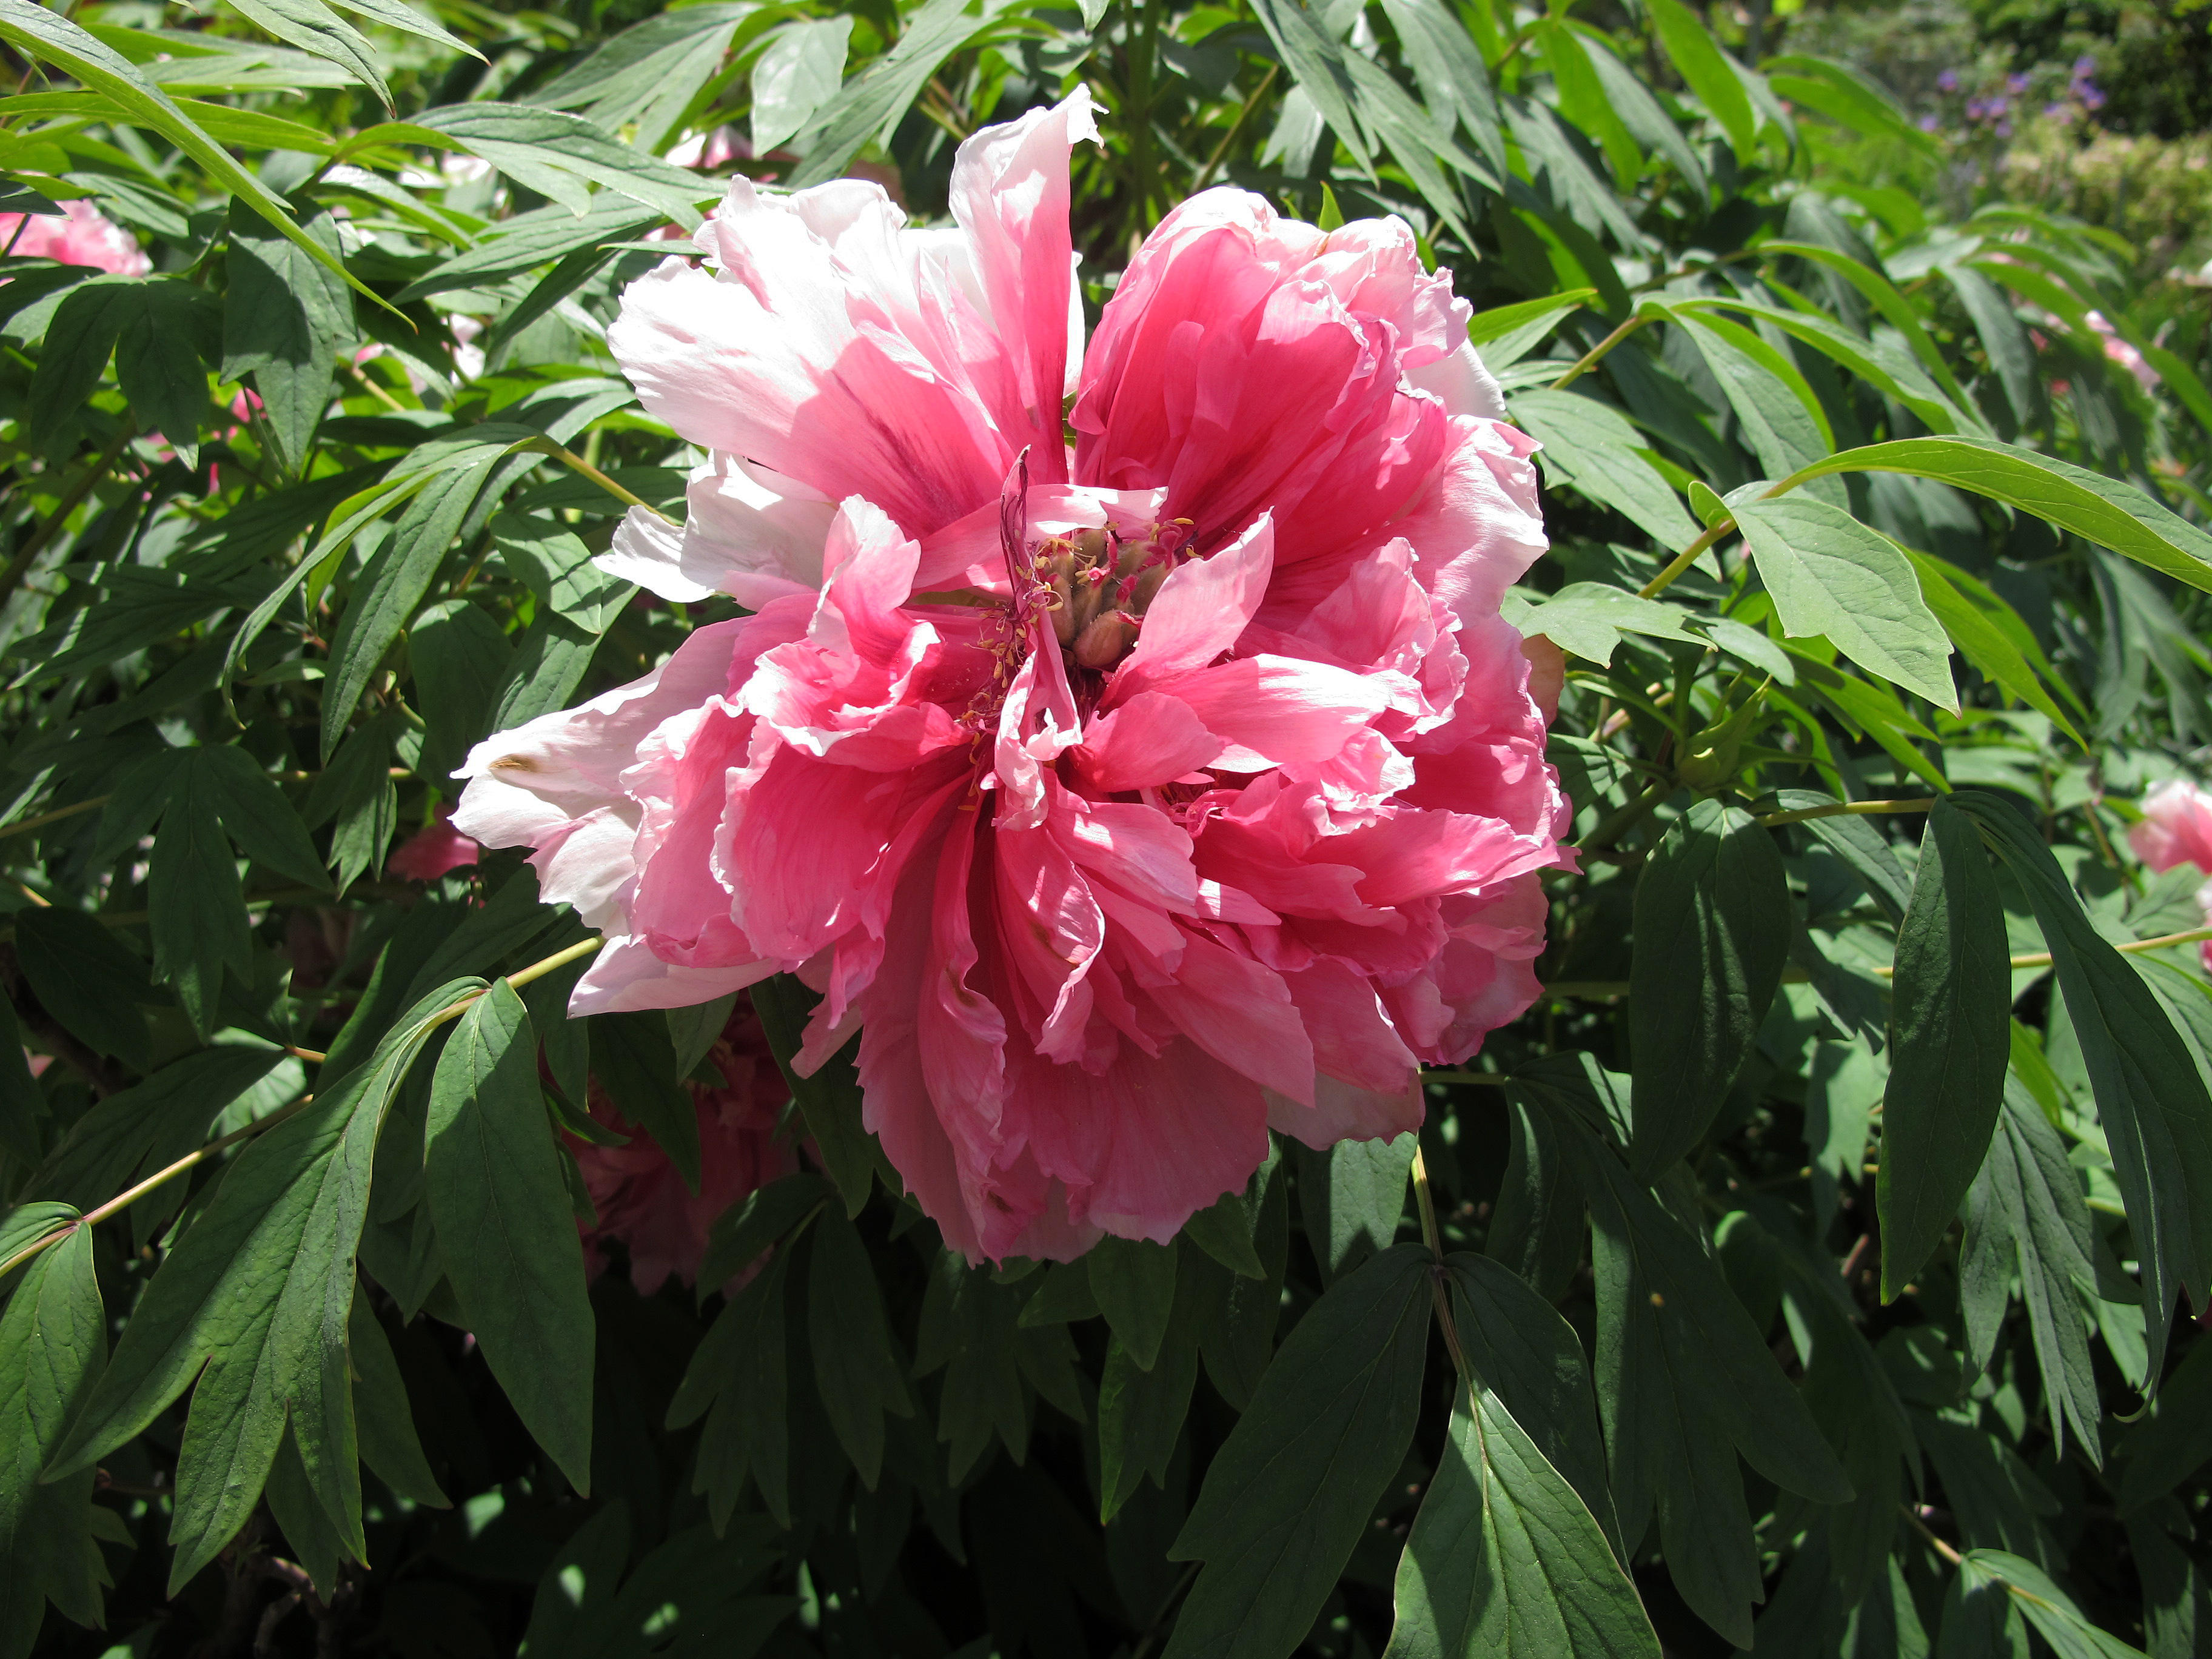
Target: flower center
x=1099 y=583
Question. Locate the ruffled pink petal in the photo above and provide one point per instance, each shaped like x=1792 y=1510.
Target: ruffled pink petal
x=1009 y=193
x=1199 y=612
x=1151 y=740
x=2176 y=827
x=1272 y=710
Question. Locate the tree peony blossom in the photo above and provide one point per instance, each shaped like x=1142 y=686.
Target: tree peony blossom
x=81 y=235
x=2176 y=829
x=433 y=850
x=640 y=1198
x=1128 y=796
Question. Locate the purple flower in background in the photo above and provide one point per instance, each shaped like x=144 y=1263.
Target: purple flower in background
x=1998 y=106
x=1975 y=109
x=2058 y=112
x=1929 y=124
x=2090 y=97
x=2015 y=84
x=2004 y=128
x=2084 y=67
x=1947 y=80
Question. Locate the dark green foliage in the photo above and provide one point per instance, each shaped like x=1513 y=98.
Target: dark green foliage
x=1794 y=1272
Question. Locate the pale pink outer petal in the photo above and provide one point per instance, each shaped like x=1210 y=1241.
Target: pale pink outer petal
x=80 y=235
x=625 y=977
x=1344 y=1111
x=1009 y=193
x=1477 y=527
x=747 y=532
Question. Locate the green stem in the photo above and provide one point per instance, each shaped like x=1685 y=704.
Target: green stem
x=569 y=458
x=1494 y=1079
x=1849 y=808
x=1589 y=359
x=1684 y=560
x=24 y=825
x=1221 y=149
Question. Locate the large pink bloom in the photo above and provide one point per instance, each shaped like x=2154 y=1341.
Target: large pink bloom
x=2176 y=829
x=640 y=1198
x=81 y=235
x=1128 y=796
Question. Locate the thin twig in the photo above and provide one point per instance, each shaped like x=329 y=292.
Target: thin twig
x=2042 y=958
x=1684 y=560
x=569 y=458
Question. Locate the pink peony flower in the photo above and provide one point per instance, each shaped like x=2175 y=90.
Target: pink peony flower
x=637 y=1193
x=82 y=235
x=2120 y=351
x=1129 y=796
x=430 y=851
x=2176 y=829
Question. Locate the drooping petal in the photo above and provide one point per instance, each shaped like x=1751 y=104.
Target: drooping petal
x=1198 y=611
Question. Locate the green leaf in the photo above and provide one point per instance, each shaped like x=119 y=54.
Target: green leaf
x=1588 y=618
x=2106 y=511
x=2150 y=1098
x=1953 y=1042
x=1882 y=365
x=968 y=1325
x=254 y=1301
x=1712 y=932
x=314 y=27
x=1845 y=95
x=747 y=1228
x=1455 y=83
x=1537 y=1230
x=505 y=1228
x=797 y=74
x=1309 y=51
x=830 y=1098
x=1238 y=1315
x=1352 y=1198
x=1859 y=846
x=635 y=1063
x=156 y=1122
x=741 y=1367
x=52 y=1339
x=1290 y=1491
x=1224 y=1230
x=856 y=1367
x=1141 y=1408
x=169 y=337
x=1982 y=639
x=86 y=978
x=560 y=155
x=1523 y=1352
x=1683 y=1376
x=46 y=34
x=79 y=342
x=1708 y=72
x=1134 y=1281
x=2025 y=1216
x=2175 y=1441
x=645 y=77
x=1831 y=576
x=1504 y=1560
x=285 y=316
x=24 y=1224
x=2004 y=339
x=2044 y=1606
x=1502 y=336
x=195 y=903
x=878 y=97
x=382 y=1415
x=527 y=241
x=1594 y=449
x=581 y=1579
x=393 y=584
x=1783 y=421
x=459 y=658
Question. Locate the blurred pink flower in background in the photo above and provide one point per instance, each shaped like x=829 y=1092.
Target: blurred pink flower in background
x=2176 y=829
x=1129 y=797
x=640 y=1198
x=433 y=850
x=82 y=235
x=2120 y=351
